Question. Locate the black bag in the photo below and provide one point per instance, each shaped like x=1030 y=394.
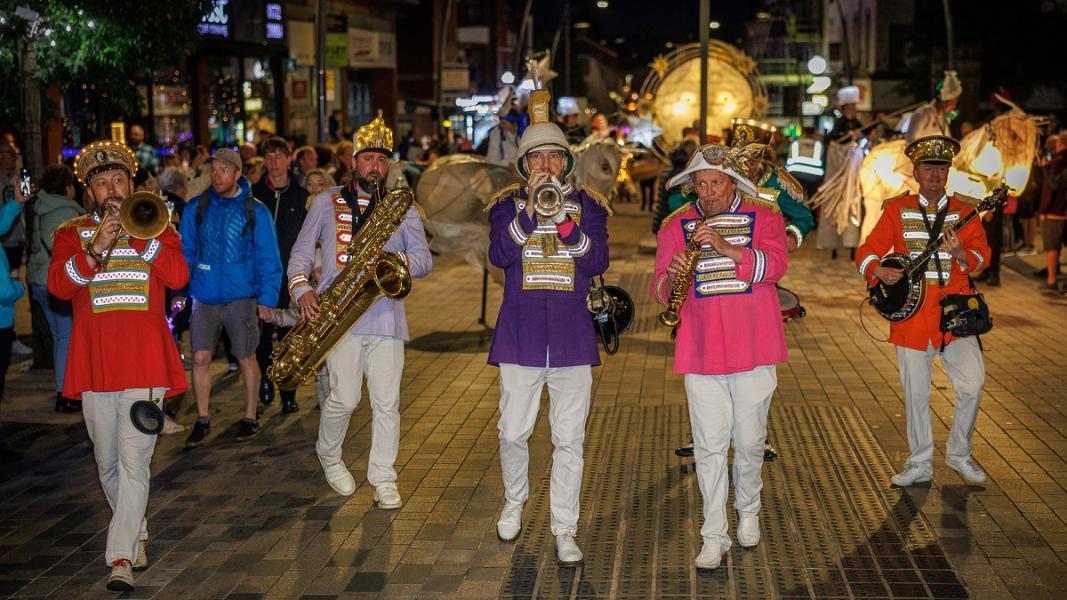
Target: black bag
x=965 y=315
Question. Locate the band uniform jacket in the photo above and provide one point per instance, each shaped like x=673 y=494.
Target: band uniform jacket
x=120 y=338
x=901 y=229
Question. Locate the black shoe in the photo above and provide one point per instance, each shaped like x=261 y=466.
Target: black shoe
x=769 y=453
x=247 y=430
x=197 y=436
x=1042 y=273
x=684 y=451
x=993 y=279
x=266 y=392
x=289 y=405
x=65 y=405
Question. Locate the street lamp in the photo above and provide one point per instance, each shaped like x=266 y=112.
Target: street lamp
x=602 y=4
x=507 y=78
x=714 y=25
x=817 y=65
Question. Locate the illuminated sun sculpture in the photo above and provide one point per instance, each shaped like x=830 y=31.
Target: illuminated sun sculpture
x=734 y=89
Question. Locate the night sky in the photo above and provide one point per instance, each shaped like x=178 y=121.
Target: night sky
x=637 y=30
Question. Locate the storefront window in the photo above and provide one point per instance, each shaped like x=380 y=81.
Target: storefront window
x=224 y=114
x=172 y=109
x=260 y=117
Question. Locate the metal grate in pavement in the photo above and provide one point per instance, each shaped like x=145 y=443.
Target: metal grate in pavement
x=832 y=526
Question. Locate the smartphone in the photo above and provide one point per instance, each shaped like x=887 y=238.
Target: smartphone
x=24 y=183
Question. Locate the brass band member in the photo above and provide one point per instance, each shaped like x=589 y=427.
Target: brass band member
x=730 y=336
x=905 y=226
x=121 y=350
x=374 y=346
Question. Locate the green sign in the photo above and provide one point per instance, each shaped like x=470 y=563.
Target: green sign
x=337 y=50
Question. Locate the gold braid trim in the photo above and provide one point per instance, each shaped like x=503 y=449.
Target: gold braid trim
x=758 y=201
x=790 y=184
x=499 y=196
x=966 y=200
x=74 y=222
x=677 y=212
x=600 y=199
x=894 y=199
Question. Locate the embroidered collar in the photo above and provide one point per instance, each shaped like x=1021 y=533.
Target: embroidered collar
x=940 y=203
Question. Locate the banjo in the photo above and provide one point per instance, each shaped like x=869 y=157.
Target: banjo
x=902 y=299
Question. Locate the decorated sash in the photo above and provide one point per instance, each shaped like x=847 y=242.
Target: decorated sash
x=548 y=263
x=343 y=226
x=714 y=274
x=124 y=285
x=916 y=239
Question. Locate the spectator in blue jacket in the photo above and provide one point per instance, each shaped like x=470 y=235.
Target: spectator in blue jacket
x=235 y=271
x=10 y=289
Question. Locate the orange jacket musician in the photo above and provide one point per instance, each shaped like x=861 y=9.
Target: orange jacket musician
x=117 y=286
x=907 y=226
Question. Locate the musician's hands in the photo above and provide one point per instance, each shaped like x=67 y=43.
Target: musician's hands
x=707 y=236
x=951 y=243
x=791 y=242
x=888 y=275
x=309 y=305
x=264 y=312
x=676 y=266
x=109 y=228
x=536 y=180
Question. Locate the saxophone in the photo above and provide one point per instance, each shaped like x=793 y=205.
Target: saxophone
x=680 y=286
x=367 y=275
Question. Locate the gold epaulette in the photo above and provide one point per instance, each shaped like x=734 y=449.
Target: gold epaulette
x=966 y=200
x=72 y=222
x=894 y=199
x=790 y=184
x=759 y=201
x=599 y=198
x=677 y=212
x=504 y=193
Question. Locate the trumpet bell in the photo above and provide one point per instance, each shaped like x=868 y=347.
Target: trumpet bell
x=144 y=215
x=548 y=199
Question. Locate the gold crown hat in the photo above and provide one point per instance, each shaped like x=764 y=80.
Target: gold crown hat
x=747 y=131
x=542 y=133
x=103 y=155
x=375 y=136
x=933 y=149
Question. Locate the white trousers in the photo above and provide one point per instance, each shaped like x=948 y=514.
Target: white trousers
x=381 y=359
x=724 y=408
x=122 y=456
x=963 y=362
x=520 y=400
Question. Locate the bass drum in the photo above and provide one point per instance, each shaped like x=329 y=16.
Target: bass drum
x=790 y=305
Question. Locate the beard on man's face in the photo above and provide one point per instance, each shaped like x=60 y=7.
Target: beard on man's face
x=370 y=182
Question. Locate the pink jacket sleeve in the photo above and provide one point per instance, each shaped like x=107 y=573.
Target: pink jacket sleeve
x=768 y=259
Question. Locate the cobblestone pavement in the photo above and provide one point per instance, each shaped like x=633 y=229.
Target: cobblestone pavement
x=257 y=520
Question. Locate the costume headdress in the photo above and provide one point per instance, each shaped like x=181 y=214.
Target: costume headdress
x=103 y=155
x=716 y=157
x=542 y=134
x=933 y=149
x=374 y=136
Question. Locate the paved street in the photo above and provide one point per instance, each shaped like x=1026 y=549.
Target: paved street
x=257 y=520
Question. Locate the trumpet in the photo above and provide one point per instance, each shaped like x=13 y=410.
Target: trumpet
x=143 y=216
x=547 y=198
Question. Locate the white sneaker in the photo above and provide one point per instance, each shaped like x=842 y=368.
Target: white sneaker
x=710 y=556
x=509 y=524
x=387 y=496
x=567 y=552
x=340 y=479
x=913 y=474
x=121 y=579
x=17 y=347
x=141 y=562
x=748 y=533
x=968 y=470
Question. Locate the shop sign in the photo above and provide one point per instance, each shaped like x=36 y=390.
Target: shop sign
x=455 y=79
x=275 y=25
x=302 y=42
x=216 y=22
x=336 y=41
x=371 y=49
